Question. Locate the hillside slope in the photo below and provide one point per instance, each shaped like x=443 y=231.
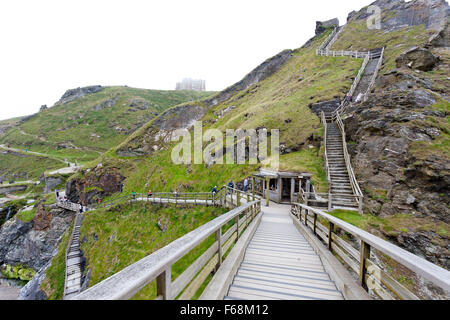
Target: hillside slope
x=87 y=121
x=398 y=138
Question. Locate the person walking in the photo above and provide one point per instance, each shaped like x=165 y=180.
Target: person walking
x=150 y=194
x=133 y=195
x=57 y=194
x=245 y=185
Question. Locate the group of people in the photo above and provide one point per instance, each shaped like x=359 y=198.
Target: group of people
x=67 y=202
x=231 y=186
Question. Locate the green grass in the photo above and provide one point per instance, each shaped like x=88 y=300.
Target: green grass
x=356 y=36
x=27 y=167
x=392 y=225
x=279 y=102
x=76 y=122
x=135 y=234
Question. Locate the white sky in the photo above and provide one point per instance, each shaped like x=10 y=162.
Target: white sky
x=47 y=47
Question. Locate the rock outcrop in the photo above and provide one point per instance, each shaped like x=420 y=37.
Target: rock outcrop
x=95 y=184
x=33 y=243
x=322 y=26
x=73 y=94
x=396 y=177
x=442 y=38
x=431 y=13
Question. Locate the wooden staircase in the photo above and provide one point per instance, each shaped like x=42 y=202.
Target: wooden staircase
x=74 y=270
x=340 y=187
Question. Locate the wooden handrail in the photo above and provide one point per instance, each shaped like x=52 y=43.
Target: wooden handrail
x=127 y=282
x=76 y=222
x=368 y=269
x=374 y=77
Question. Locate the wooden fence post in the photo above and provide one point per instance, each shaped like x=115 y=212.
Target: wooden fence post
x=163 y=284
x=365 y=254
x=330 y=236
x=219 y=250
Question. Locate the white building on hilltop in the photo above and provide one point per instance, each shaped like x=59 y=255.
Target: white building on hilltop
x=191 y=84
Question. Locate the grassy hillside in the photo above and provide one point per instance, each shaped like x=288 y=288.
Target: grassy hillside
x=279 y=102
x=86 y=127
x=120 y=236
x=21 y=167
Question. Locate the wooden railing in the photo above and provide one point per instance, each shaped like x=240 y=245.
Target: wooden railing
x=158 y=265
x=374 y=77
x=358 y=195
x=327 y=41
x=371 y=276
x=77 y=222
x=327 y=167
x=68 y=205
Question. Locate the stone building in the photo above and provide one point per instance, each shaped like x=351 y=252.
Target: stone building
x=191 y=84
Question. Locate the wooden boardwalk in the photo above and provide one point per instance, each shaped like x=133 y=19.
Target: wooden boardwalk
x=280 y=264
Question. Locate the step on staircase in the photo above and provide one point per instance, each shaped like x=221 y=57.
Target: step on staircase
x=74 y=270
x=369 y=72
x=340 y=187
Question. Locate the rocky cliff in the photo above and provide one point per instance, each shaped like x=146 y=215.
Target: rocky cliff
x=399 y=146
x=33 y=244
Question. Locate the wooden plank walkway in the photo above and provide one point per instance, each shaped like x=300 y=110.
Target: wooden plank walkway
x=280 y=264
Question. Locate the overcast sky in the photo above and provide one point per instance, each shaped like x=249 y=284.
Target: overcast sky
x=47 y=47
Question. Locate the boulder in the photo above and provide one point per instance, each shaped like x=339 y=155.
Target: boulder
x=43 y=107
x=418 y=59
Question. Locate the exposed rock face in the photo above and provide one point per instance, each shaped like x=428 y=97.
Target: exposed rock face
x=395 y=178
x=32 y=244
x=43 y=108
x=162 y=129
x=95 y=184
x=50 y=183
x=417 y=58
x=32 y=290
x=442 y=38
x=322 y=26
x=105 y=104
x=73 y=94
x=326 y=106
x=432 y=13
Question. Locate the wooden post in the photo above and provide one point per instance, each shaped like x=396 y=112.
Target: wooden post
x=365 y=254
x=237 y=228
x=219 y=250
x=360 y=204
x=267 y=191
x=315 y=223
x=163 y=283
x=306 y=217
x=292 y=190
x=330 y=236
x=238 y=198
x=253 y=188
x=329 y=201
